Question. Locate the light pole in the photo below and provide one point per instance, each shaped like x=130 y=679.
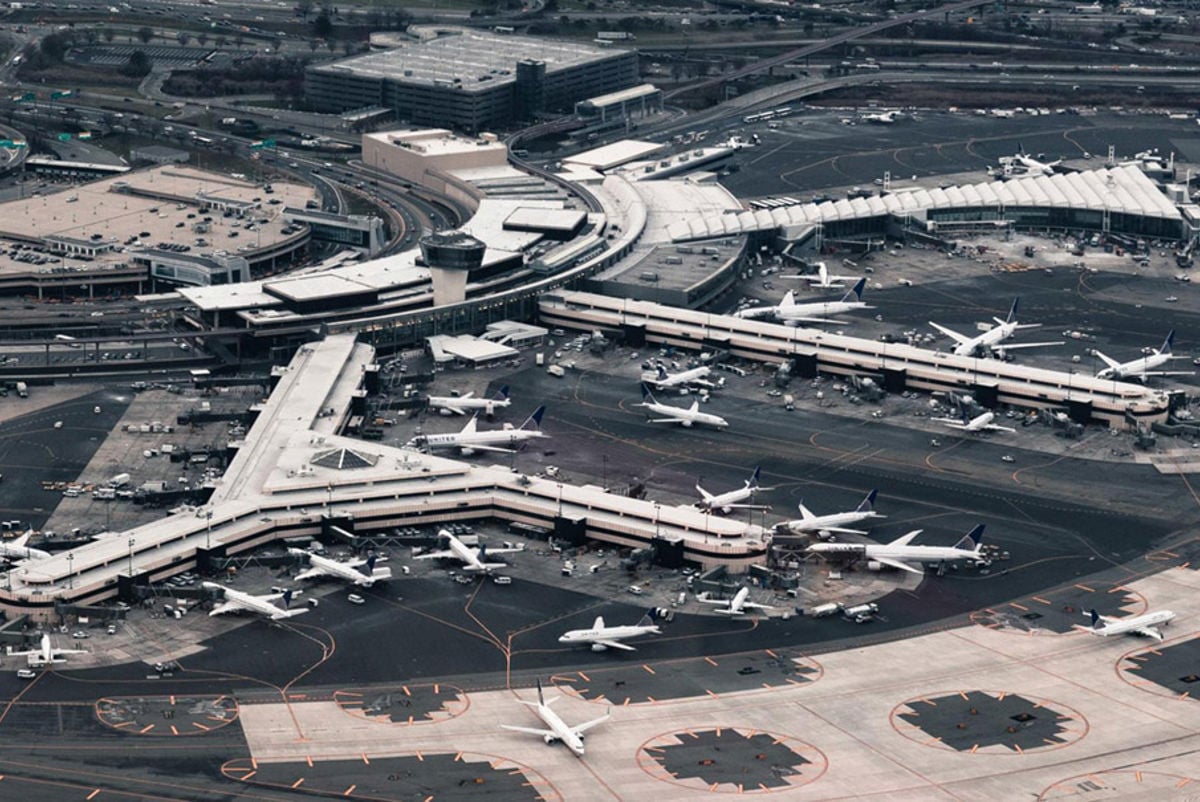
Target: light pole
x=70 y=569
x=208 y=531
x=132 y=543
x=604 y=480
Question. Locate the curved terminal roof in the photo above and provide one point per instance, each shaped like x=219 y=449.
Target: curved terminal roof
x=1124 y=189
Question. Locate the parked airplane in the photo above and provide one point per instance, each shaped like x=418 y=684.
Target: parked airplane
x=980 y=423
x=822 y=279
x=16 y=549
x=1143 y=625
x=737 y=605
x=350 y=570
x=729 y=500
x=792 y=313
x=899 y=554
x=557 y=729
x=603 y=637
x=823 y=526
x=1143 y=368
x=881 y=118
x=1021 y=163
x=472 y=558
x=990 y=341
x=459 y=404
x=685 y=417
x=45 y=654
x=237 y=601
x=470 y=440
x=693 y=377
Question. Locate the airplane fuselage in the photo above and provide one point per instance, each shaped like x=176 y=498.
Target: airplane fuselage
x=467 y=440
x=836 y=519
x=686 y=417
x=1122 y=626
x=608 y=633
x=450 y=403
x=907 y=554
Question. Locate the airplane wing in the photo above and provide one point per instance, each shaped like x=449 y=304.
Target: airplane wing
x=1012 y=346
x=288 y=613
x=614 y=644
x=1149 y=632
x=1107 y=360
x=666 y=420
x=744 y=506
x=1168 y=373
x=995 y=427
x=478 y=447
x=704 y=494
x=903 y=566
x=530 y=731
x=756 y=606
x=953 y=423
x=840 y=530
x=582 y=728
x=797 y=319
x=445 y=554
x=722 y=602
x=227 y=607
x=504 y=550
x=455 y=410
x=484 y=567
x=312 y=573
x=953 y=335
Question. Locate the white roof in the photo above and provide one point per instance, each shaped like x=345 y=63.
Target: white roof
x=614 y=155
x=1124 y=189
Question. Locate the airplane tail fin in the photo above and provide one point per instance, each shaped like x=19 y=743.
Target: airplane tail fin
x=868 y=503
x=535 y=419
x=647 y=396
x=754 y=477
x=789 y=299
x=855 y=292
x=503 y=394
x=1012 y=312
x=805 y=512
x=20 y=542
x=541 y=697
x=287 y=598
x=649 y=618
x=971 y=540
x=1167 y=343
x=371 y=558
x=662 y=373
x=1095 y=616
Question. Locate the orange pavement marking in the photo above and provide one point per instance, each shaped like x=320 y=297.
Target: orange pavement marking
x=92 y=794
x=1085 y=588
x=710 y=661
x=298 y=783
x=349 y=790
x=649 y=670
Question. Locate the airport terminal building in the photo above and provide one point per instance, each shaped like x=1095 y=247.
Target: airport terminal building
x=472 y=80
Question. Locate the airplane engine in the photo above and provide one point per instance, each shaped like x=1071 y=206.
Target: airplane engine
x=874 y=565
x=599 y=647
x=466 y=452
x=687 y=424
x=549 y=739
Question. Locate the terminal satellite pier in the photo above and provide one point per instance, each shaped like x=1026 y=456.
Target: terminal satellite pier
x=451 y=256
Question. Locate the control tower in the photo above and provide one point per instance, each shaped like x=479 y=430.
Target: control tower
x=451 y=256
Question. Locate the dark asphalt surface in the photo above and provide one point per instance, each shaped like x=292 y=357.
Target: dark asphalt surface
x=1060 y=519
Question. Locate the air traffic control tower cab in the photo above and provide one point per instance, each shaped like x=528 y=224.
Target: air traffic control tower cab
x=451 y=256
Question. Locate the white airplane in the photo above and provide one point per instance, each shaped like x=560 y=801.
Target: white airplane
x=692 y=377
x=350 y=570
x=470 y=439
x=459 y=404
x=899 y=554
x=1143 y=368
x=793 y=314
x=834 y=523
x=685 y=417
x=737 y=605
x=729 y=500
x=237 y=601
x=1143 y=625
x=823 y=279
x=881 y=118
x=45 y=653
x=557 y=729
x=603 y=637
x=16 y=549
x=472 y=558
x=990 y=341
x=980 y=423
x=737 y=143
x=1021 y=163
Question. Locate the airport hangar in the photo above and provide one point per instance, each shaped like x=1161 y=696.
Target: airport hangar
x=471 y=80
x=293 y=476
